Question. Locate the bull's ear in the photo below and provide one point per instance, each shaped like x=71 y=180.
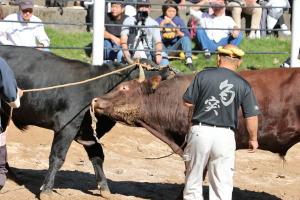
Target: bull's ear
x=155 y=81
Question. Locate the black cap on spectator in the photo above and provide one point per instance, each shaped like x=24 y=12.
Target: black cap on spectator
x=121 y=2
x=143 y=2
x=25 y=4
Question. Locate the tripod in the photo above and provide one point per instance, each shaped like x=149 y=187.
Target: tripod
x=141 y=37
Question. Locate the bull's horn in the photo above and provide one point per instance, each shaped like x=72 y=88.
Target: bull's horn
x=142 y=74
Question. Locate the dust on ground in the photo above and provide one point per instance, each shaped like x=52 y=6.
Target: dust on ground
x=259 y=176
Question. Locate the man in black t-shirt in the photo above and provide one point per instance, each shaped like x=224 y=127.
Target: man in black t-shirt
x=216 y=95
x=112 y=44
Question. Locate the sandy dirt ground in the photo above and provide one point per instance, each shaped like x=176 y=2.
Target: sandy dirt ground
x=259 y=176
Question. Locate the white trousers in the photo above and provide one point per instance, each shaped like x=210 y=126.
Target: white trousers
x=213 y=147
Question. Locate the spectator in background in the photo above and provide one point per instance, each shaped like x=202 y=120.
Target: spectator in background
x=175 y=34
x=215 y=29
x=1 y=13
x=246 y=7
x=112 y=34
x=22 y=33
x=291 y=12
x=89 y=6
x=145 y=39
x=273 y=17
x=180 y=3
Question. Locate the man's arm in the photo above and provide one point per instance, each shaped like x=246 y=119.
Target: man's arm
x=9 y=90
x=124 y=45
x=252 y=127
x=42 y=36
x=16 y=103
x=3 y=35
x=109 y=36
x=235 y=32
x=187 y=104
x=158 y=56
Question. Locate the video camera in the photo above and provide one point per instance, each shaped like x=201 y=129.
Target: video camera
x=141 y=16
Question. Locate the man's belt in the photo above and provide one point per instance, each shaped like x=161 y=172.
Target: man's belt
x=212 y=125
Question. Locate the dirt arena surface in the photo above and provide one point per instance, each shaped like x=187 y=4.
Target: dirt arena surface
x=259 y=176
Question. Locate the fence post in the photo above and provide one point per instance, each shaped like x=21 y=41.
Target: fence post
x=295 y=62
x=98 y=34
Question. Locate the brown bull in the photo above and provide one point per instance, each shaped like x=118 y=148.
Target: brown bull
x=159 y=108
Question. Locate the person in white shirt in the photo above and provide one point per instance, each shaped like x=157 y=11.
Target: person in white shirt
x=143 y=40
x=215 y=29
x=22 y=33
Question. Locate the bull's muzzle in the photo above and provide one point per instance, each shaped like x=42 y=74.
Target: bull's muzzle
x=99 y=105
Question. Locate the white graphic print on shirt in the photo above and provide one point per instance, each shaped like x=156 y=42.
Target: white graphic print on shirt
x=226 y=96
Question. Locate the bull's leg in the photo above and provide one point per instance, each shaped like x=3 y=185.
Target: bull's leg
x=96 y=155
x=94 y=149
x=60 y=145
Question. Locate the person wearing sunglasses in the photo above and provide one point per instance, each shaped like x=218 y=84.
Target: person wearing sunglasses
x=19 y=31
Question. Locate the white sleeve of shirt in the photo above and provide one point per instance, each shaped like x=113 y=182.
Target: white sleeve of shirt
x=231 y=22
x=155 y=32
x=3 y=36
x=40 y=34
x=127 y=22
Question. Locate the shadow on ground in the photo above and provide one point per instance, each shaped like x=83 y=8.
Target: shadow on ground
x=33 y=179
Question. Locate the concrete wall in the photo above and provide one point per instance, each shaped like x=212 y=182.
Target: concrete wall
x=73 y=15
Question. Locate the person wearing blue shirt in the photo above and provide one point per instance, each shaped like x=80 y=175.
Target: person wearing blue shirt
x=175 y=34
x=9 y=93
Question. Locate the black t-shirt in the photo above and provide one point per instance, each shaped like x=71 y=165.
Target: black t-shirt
x=217 y=94
x=115 y=30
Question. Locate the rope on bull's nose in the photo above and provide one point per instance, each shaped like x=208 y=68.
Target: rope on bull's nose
x=94 y=120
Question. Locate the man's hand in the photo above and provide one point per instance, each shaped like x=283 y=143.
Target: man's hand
x=253 y=145
x=128 y=58
x=158 y=58
x=235 y=32
x=252 y=127
x=116 y=40
x=167 y=20
x=20 y=92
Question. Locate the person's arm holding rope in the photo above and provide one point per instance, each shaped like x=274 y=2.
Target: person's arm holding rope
x=158 y=53
x=124 y=45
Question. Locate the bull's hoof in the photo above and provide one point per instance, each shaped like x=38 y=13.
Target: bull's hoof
x=46 y=195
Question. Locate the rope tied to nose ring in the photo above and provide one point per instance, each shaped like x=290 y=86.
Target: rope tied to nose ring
x=94 y=120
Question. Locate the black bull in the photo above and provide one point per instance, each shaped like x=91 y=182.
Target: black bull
x=59 y=109
x=159 y=108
